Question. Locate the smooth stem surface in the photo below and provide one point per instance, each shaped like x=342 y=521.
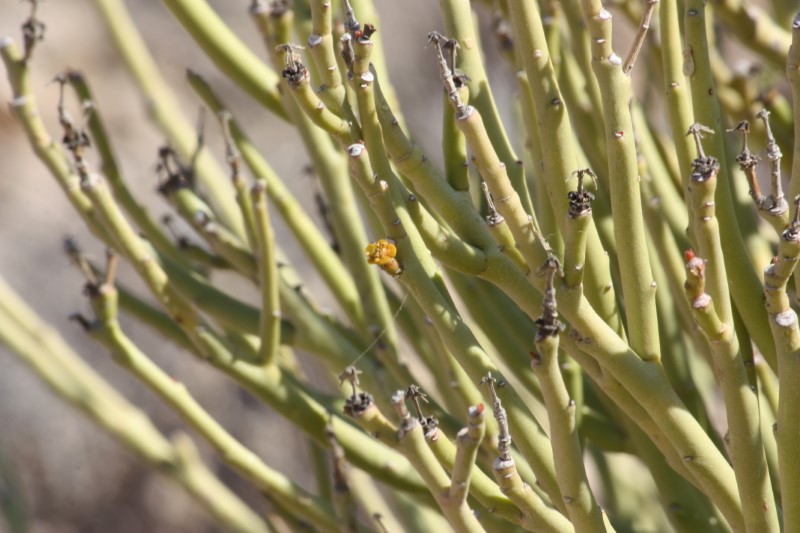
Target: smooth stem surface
x=459 y=24
x=560 y=150
x=270 y=329
x=786 y=332
x=323 y=49
x=163 y=106
x=793 y=74
x=412 y=444
x=302 y=504
x=678 y=98
x=745 y=287
x=744 y=431
x=638 y=286
x=582 y=508
x=228 y=52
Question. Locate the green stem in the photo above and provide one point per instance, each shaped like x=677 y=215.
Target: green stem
x=70 y=377
x=410 y=441
x=560 y=151
x=164 y=108
x=228 y=52
x=582 y=508
x=458 y=22
x=638 y=287
x=108 y=332
x=482 y=487
x=321 y=48
x=744 y=430
x=745 y=287
x=300 y=224
x=786 y=332
x=419 y=276
x=270 y=328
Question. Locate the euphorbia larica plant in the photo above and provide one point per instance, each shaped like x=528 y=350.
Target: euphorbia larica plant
x=501 y=329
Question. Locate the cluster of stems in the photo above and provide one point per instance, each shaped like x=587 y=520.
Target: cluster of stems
x=553 y=327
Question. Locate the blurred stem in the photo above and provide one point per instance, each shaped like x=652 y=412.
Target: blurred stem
x=266 y=382
x=316 y=247
x=46 y=149
x=270 y=329
x=107 y=331
x=228 y=52
x=755 y=29
x=113 y=172
x=67 y=375
x=164 y=109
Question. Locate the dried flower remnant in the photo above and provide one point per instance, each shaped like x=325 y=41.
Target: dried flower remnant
x=382 y=253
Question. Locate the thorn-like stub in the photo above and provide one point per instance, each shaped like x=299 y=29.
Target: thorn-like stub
x=355 y=150
x=90 y=180
x=366 y=34
x=704 y=169
x=18 y=102
x=786 y=319
x=314 y=40
x=745 y=158
x=476 y=410
x=701 y=302
x=416 y=395
x=465 y=112
x=500 y=465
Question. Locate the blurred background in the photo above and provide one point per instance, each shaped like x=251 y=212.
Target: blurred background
x=58 y=471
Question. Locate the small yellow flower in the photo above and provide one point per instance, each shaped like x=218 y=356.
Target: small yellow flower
x=382 y=253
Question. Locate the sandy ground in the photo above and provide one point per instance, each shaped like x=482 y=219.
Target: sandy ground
x=69 y=475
